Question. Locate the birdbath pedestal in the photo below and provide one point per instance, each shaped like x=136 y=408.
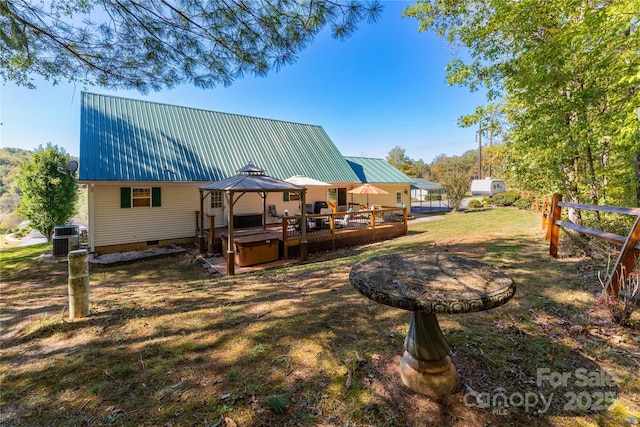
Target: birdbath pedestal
x=427 y=284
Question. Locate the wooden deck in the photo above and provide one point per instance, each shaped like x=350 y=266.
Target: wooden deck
x=327 y=231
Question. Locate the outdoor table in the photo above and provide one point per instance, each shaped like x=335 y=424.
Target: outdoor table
x=427 y=284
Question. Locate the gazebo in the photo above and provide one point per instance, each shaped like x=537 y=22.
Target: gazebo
x=250 y=179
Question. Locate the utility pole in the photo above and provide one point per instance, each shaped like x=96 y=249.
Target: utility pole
x=490 y=144
x=480 y=149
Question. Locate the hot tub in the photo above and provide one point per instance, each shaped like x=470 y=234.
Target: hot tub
x=252 y=248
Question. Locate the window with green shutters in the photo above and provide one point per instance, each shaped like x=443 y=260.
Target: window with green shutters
x=290 y=196
x=137 y=197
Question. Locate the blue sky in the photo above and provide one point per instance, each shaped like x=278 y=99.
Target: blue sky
x=382 y=87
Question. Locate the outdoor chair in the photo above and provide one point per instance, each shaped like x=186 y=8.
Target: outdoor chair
x=274 y=212
x=341 y=221
x=311 y=224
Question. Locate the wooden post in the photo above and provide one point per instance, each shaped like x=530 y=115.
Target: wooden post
x=78 y=284
x=553 y=230
x=304 y=252
x=626 y=261
x=212 y=232
x=285 y=235
x=201 y=245
x=405 y=218
x=231 y=267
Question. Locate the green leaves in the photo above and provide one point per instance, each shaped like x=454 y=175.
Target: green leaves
x=149 y=45
x=48 y=195
x=567 y=76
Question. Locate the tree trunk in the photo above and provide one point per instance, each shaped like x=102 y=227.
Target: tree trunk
x=593 y=182
x=571 y=189
x=636 y=158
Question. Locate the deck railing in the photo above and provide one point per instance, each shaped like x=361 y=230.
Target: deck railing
x=331 y=230
x=629 y=253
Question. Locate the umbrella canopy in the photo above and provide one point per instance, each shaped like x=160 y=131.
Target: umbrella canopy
x=367 y=189
x=305 y=181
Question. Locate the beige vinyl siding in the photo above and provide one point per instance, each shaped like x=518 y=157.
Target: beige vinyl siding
x=175 y=219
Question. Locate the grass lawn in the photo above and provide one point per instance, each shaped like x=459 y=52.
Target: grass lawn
x=166 y=344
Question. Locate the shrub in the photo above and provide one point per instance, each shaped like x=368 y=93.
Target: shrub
x=523 y=203
x=486 y=201
x=21 y=233
x=506 y=199
x=475 y=204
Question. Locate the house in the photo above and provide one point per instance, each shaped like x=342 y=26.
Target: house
x=143 y=163
x=383 y=175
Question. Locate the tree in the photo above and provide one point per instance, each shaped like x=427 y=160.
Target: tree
x=413 y=168
x=567 y=77
x=397 y=157
x=454 y=174
x=442 y=164
x=48 y=196
x=154 y=44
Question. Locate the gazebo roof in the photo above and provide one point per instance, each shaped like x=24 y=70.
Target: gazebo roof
x=251 y=179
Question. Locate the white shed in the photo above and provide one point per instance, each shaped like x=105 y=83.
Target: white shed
x=487 y=187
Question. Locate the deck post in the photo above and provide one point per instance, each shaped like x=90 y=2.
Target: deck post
x=304 y=251
x=212 y=232
x=201 y=245
x=231 y=270
x=285 y=234
x=405 y=219
x=553 y=230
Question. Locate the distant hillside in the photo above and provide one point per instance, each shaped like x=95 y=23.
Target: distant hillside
x=10 y=159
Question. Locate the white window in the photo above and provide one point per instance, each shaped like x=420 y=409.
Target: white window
x=141 y=197
x=217 y=199
x=398 y=196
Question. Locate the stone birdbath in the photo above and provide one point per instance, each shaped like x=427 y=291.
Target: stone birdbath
x=428 y=284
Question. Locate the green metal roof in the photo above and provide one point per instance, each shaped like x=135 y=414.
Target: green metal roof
x=133 y=140
x=376 y=170
x=423 y=184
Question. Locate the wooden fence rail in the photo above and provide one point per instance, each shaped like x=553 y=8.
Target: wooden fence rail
x=629 y=253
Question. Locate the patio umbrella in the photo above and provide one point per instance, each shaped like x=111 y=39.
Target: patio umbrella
x=305 y=181
x=367 y=189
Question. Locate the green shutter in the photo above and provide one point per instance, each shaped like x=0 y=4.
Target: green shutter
x=125 y=197
x=285 y=196
x=155 y=196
